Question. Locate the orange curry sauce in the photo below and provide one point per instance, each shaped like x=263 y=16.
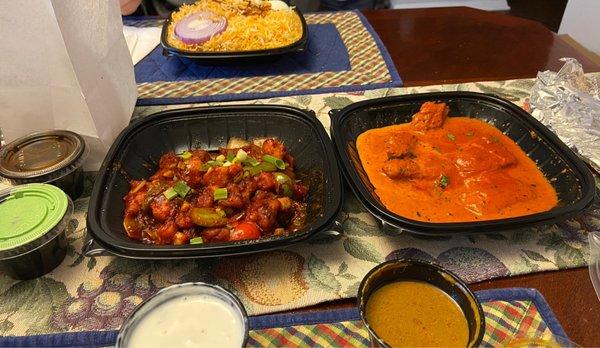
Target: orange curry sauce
x=457 y=169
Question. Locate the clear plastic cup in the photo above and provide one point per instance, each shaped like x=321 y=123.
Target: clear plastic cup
x=176 y=316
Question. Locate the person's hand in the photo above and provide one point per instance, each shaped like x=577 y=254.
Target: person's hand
x=129 y=6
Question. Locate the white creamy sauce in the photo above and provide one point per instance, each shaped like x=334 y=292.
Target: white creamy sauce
x=189 y=321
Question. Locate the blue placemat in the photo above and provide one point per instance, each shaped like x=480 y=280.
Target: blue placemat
x=325 y=52
x=343 y=54
x=106 y=338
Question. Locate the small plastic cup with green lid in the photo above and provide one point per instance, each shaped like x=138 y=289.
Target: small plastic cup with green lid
x=33 y=224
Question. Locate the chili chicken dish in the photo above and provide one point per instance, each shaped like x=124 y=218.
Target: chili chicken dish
x=243 y=191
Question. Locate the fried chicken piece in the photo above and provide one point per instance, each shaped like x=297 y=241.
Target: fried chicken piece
x=274 y=148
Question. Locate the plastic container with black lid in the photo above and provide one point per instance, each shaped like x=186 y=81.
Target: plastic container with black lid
x=53 y=157
x=33 y=224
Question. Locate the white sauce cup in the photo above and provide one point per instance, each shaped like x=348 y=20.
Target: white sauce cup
x=188 y=314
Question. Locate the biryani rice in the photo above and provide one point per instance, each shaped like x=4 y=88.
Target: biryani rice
x=271 y=29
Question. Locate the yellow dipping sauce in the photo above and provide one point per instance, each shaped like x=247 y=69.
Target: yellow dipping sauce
x=416 y=314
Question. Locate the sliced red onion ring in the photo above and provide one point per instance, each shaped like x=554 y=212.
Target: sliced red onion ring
x=199 y=27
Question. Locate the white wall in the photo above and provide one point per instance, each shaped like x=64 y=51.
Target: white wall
x=581 y=21
x=489 y=5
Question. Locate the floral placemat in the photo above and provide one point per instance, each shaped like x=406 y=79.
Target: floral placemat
x=98 y=293
x=510 y=314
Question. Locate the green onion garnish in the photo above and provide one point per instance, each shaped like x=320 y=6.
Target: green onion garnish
x=275 y=161
x=287 y=190
x=230 y=157
x=220 y=193
x=185 y=155
x=444 y=181
x=469 y=133
x=170 y=193
x=261 y=167
x=251 y=161
x=241 y=156
x=451 y=136
x=197 y=240
x=214 y=163
x=210 y=164
x=221 y=158
x=282 y=178
x=181 y=188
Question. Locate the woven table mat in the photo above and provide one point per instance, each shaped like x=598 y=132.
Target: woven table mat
x=344 y=54
x=509 y=314
x=99 y=292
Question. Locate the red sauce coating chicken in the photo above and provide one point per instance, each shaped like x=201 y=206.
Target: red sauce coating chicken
x=238 y=193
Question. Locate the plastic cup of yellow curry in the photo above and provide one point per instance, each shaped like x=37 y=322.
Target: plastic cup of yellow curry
x=409 y=303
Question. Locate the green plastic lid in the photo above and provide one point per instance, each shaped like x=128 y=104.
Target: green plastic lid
x=28 y=212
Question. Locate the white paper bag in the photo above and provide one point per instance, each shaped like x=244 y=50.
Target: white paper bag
x=64 y=64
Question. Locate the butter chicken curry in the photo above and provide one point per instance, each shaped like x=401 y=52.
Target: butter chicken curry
x=458 y=169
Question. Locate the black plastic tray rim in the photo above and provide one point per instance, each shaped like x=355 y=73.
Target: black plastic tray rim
x=396 y=221
x=325 y=222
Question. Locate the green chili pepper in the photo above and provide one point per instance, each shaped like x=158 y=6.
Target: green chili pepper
x=197 y=240
x=207 y=217
x=220 y=193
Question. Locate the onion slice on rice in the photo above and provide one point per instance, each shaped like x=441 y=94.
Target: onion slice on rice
x=199 y=27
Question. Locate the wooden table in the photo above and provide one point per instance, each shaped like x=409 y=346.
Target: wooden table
x=450 y=45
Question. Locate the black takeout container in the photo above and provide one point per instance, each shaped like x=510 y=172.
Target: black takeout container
x=224 y=57
x=569 y=176
x=414 y=270
x=136 y=151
